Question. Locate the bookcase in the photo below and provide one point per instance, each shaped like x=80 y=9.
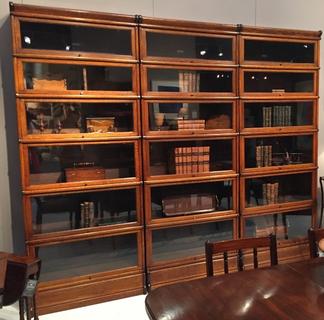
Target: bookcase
x=141 y=138
x=278 y=135
x=77 y=89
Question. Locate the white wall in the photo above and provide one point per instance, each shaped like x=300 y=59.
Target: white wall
x=298 y=14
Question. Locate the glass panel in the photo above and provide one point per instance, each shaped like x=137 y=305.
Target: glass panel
x=186 y=199
x=87 y=257
x=190 y=116
x=183 y=242
x=60 y=77
x=278 y=189
x=172 y=80
x=278 y=82
x=65 y=117
x=188 y=46
x=278 y=114
x=278 y=151
x=49 y=36
x=57 y=164
x=82 y=210
x=279 y=51
x=181 y=157
x=285 y=225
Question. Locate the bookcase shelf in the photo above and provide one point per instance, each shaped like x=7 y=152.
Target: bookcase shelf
x=141 y=138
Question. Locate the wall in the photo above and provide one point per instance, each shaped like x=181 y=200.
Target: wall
x=298 y=14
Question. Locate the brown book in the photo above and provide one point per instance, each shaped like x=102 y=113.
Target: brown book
x=276 y=192
x=189 y=159
x=185 y=81
x=264 y=193
x=180 y=124
x=269 y=155
x=197 y=82
x=262 y=156
x=181 y=81
x=200 y=159
x=181 y=160
x=194 y=159
x=177 y=160
x=206 y=158
x=258 y=156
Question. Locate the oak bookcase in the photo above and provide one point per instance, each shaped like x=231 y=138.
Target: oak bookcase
x=141 y=138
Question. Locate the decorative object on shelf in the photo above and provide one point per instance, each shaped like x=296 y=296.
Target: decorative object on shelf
x=186 y=124
x=189 y=204
x=192 y=159
x=84 y=171
x=285 y=158
x=222 y=121
x=263 y=156
x=100 y=125
x=159 y=119
x=49 y=84
x=270 y=193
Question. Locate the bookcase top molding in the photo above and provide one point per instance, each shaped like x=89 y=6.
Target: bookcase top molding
x=43 y=12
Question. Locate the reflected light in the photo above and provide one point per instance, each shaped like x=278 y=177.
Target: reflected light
x=27 y=40
x=245 y=307
x=253 y=77
x=67 y=48
x=265 y=77
x=305 y=46
x=220 y=54
x=203 y=52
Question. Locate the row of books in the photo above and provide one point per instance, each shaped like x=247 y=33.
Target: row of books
x=189 y=81
x=276 y=116
x=263 y=156
x=270 y=193
x=192 y=159
x=87 y=214
x=185 y=124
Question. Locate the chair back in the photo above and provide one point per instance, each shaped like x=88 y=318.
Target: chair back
x=314 y=238
x=212 y=248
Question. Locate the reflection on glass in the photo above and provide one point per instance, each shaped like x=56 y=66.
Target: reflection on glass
x=184 y=157
x=82 y=210
x=65 y=117
x=60 y=77
x=284 y=225
x=279 y=51
x=278 y=82
x=188 y=46
x=74 y=163
x=278 y=114
x=70 y=38
x=182 y=242
x=172 y=80
x=190 y=199
x=87 y=257
x=278 y=189
x=278 y=151
x=190 y=116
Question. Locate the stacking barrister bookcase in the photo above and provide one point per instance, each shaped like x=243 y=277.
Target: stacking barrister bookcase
x=141 y=138
x=190 y=143
x=278 y=135
x=77 y=88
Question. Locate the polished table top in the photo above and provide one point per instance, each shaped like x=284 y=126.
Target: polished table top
x=289 y=291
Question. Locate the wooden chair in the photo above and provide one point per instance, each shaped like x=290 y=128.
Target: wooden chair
x=212 y=248
x=315 y=244
x=19 y=270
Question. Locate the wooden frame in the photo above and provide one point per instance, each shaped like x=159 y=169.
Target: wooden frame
x=84 y=136
x=145 y=58
x=30 y=93
x=48 y=187
x=279 y=94
x=280 y=206
x=148 y=94
x=257 y=130
x=147 y=132
x=271 y=168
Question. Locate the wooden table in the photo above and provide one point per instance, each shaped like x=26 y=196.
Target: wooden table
x=290 y=291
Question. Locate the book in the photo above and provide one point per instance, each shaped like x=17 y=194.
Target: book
x=206 y=158
x=258 y=151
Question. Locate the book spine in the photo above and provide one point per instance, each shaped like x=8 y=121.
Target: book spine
x=181 y=86
x=264 y=193
x=82 y=214
x=268 y=190
x=91 y=214
x=264 y=122
x=289 y=123
x=189 y=159
x=269 y=115
x=181 y=160
x=258 y=156
x=206 y=158
x=176 y=160
x=269 y=155
x=194 y=159
x=262 y=156
x=200 y=159
x=265 y=156
x=276 y=192
x=197 y=82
